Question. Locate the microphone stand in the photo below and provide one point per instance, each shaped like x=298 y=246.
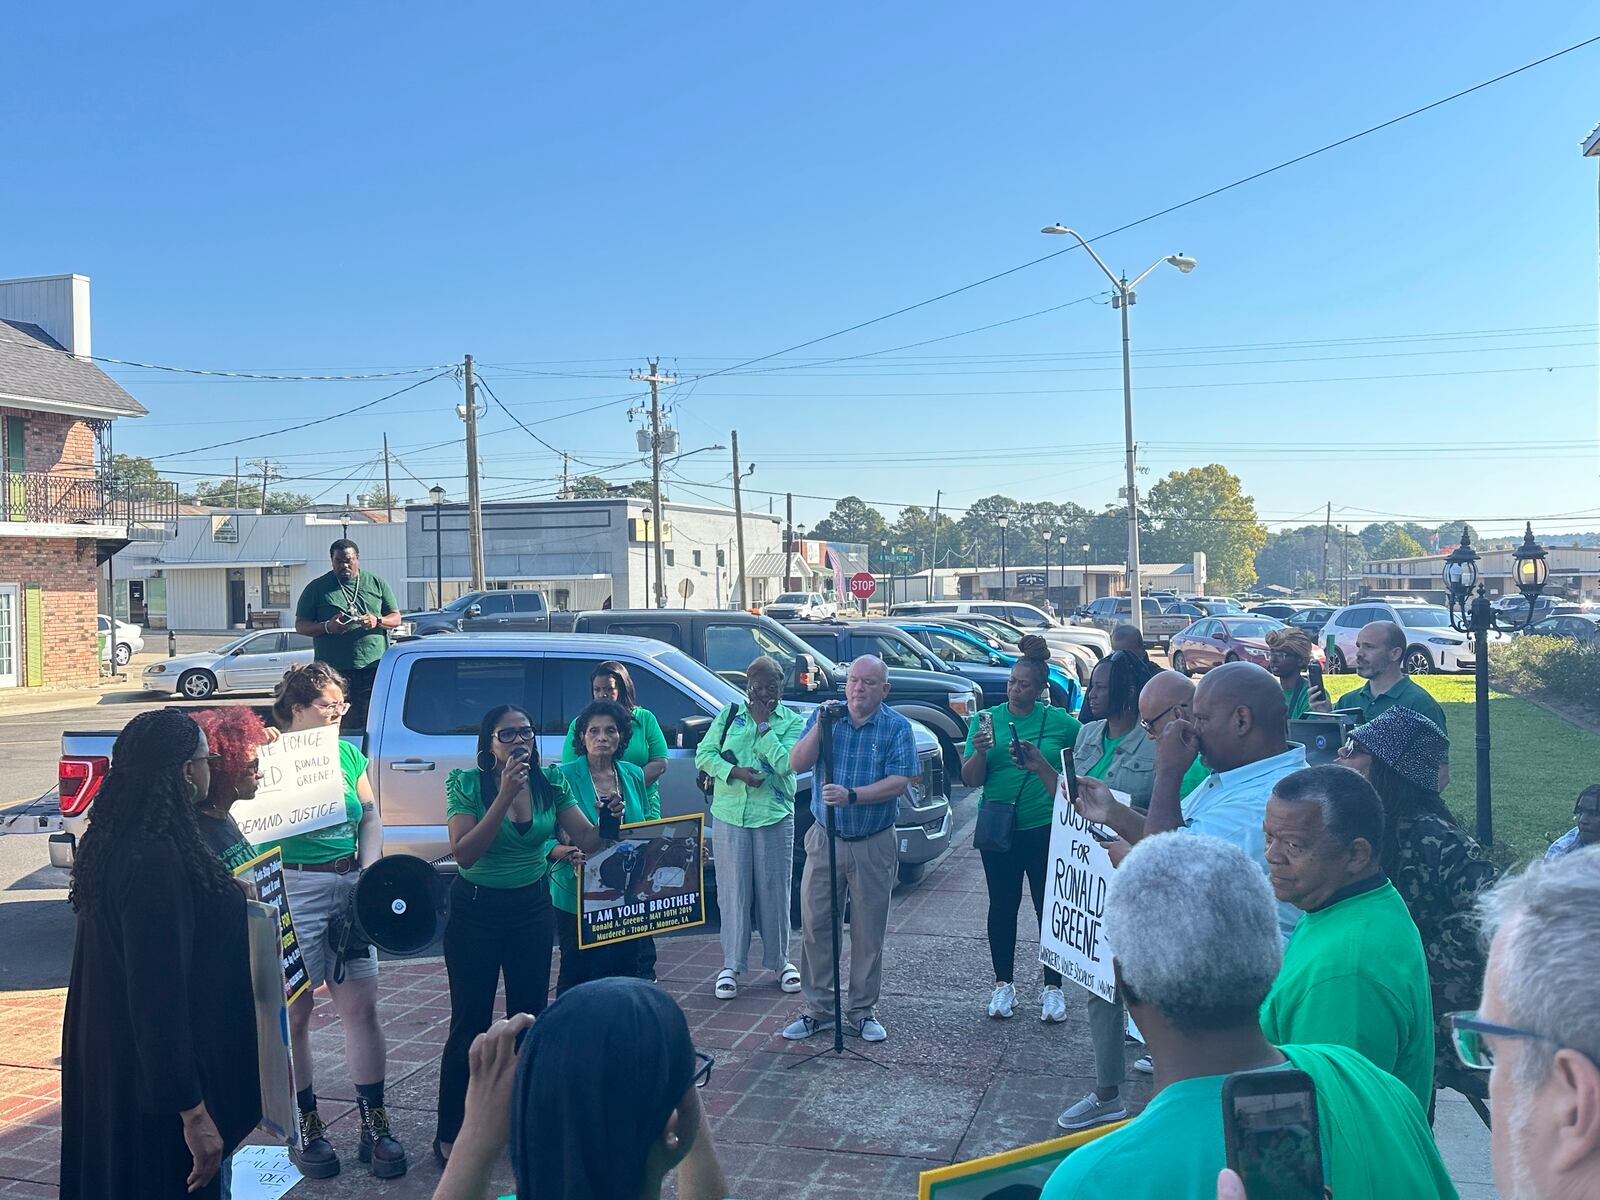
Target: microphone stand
x=823 y=776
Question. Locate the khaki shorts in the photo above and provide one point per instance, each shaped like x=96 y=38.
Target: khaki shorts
x=314 y=897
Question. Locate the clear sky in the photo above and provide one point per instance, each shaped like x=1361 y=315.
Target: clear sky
x=1404 y=326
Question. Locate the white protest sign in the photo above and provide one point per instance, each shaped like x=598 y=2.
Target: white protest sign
x=301 y=789
x=262 y=1173
x=1072 y=939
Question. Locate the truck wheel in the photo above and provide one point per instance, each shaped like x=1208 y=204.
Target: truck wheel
x=912 y=872
x=952 y=758
x=197 y=685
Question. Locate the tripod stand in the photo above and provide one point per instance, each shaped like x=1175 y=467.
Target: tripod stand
x=823 y=775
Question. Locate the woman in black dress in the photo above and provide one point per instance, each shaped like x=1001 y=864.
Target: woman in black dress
x=158 y=1057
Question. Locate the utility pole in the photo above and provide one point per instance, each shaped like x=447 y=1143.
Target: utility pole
x=655 y=380
x=788 y=540
x=388 y=492
x=236 y=481
x=469 y=413
x=1344 y=560
x=268 y=474
x=566 y=483
x=738 y=523
x=933 y=562
x=1327 y=531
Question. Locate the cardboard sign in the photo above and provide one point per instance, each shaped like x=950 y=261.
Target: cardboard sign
x=302 y=787
x=650 y=881
x=1072 y=939
x=262 y=1173
x=279 y=1112
x=1013 y=1175
x=264 y=874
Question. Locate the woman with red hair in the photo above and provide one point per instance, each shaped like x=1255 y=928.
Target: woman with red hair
x=235 y=736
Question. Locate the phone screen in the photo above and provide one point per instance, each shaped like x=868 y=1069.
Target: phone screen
x=1270 y=1123
x=1071 y=772
x=1315 y=672
x=1016 y=749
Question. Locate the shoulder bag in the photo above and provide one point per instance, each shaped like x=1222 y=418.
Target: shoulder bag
x=706 y=782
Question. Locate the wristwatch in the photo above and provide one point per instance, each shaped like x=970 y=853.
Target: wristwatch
x=851 y=792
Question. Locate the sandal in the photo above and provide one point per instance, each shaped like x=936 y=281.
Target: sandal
x=789 y=978
x=727 y=985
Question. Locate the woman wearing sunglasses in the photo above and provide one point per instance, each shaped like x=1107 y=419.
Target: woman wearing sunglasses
x=502 y=816
x=235 y=736
x=320 y=872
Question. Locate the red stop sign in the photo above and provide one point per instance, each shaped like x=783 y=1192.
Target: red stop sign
x=862 y=586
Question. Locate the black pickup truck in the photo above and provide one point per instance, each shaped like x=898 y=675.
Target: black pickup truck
x=506 y=610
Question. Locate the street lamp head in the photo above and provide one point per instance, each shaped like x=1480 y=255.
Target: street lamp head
x=1003 y=522
x=1055 y=229
x=1461 y=570
x=1182 y=261
x=1531 y=571
x=436 y=493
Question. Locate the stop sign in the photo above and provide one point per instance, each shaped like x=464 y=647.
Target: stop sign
x=862 y=586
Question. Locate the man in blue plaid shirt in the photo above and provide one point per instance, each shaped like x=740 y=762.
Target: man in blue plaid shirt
x=874 y=760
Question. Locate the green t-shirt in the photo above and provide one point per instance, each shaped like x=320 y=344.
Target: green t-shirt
x=1376 y=1144
x=325 y=598
x=1047 y=727
x=331 y=841
x=647 y=742
x=580 y=788
x=1299 y=701
x=1110 y=744
x=1197 y=774
x=1354 y=975
x=514 y=859
x=1405 y=694
x=221 y=833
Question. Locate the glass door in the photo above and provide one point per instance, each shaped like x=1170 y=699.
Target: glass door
x=10 y=642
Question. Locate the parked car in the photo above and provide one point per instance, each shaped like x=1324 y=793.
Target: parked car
x=1183 y=608
x=967 y=651
x=252 y=663
x=505 y=610
x=125 y=643
x=1515 y=608
x=801 y=606
x=1580 y=627
x=1212 y=641
x=1108 y=612
x=1311 y=620
x=1074 y=659
x=431 y=693
x=1280 y=610
x=1024 y=617
x=1217 y=606
x=1431 y=643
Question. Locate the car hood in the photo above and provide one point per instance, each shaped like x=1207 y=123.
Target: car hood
x=929 y=679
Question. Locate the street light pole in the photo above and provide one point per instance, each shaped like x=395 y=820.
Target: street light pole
x=436 y=493
x=1003 y=522
x=1085 y=588
x=1471 y=613
x=1123 y=298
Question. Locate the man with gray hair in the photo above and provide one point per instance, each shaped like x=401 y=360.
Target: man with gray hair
x=1539 y=1029
x=1194 y=986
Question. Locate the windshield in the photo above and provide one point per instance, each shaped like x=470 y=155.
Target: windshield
x=790 y=598
x=952 y=648
x=230 y=647
x=999 y=630
x=1252 y=629
x=462 y=603
x=1423 y=617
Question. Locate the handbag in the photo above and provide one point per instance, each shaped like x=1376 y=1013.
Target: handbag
x=996 y=825
x=706 y=782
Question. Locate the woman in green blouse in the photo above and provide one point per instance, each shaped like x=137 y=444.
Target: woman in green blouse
x=601 y=778
x=1041 y=731
x=501 y=816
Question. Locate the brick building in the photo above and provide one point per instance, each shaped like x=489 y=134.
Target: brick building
x=61 y=513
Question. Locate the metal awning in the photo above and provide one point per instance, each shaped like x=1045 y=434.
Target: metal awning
x=163 y=565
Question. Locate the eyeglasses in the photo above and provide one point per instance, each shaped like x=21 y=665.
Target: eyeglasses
x=254 y=768
x=1469 y=1036
x=1150 y=725
x=1351 y=746
x=702 y=1068
x=331 y=706
x=207 y=758
x=522 y=733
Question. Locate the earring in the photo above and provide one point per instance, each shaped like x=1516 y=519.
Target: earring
x=672 y=1141
x=485 y=766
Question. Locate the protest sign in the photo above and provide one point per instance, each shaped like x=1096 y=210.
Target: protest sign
x=264 y=875
x=1013 y=1175
x=1072 y=936
x=262 y=1173
x=274 y=1070
x=650 y=881
x=302 y=787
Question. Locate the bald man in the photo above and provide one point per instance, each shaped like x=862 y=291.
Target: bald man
x=1237 y=728
x=1169 y=697
x=1380 y=660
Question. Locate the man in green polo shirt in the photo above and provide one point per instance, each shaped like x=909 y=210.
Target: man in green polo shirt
x=1353 y=973
x=1194 y=985
x=1380 y=655
x=347 y=614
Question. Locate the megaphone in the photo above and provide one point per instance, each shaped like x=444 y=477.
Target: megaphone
x=399 y=905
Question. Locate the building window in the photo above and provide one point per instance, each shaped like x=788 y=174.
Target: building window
x=276 y=587
x=670 y=563
x=722 y=557
x=696 y=557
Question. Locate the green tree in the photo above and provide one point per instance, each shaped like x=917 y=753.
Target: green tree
x=980 y=529
x=133 y=469
x=378 y=498
x=1205 y=509
x=1398 y=544
x=221 y=495
x=1292 y=558
x=589 y=487
x=915 y=529
x=852 y=520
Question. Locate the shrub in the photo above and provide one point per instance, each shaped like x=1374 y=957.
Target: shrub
x=1558 y=668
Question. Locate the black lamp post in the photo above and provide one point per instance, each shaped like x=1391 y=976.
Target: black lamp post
x=888 y=579
x=436 y=494
x=1472 y=614
x=1085 y=589
x=1003 y=522
x=1049 y=537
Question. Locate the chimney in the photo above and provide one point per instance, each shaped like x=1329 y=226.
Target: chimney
x=58 y=304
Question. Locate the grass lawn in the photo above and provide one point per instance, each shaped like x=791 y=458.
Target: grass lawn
x=1539 y=762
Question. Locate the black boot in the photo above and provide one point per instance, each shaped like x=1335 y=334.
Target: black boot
x=315 y=1158
x=378 y=1144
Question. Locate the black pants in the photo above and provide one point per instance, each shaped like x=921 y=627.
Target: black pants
x=1030 y=850
x=597 y=962
x=360 y=697
x=490 y=931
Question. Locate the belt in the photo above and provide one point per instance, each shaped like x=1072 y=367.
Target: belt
x=339 y=866
x=861 y=837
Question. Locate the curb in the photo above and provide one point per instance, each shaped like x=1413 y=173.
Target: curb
x=62 y=701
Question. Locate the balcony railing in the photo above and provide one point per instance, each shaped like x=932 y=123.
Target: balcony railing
x=54 y=499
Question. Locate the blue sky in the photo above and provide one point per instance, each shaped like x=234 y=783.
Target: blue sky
x=564 y=190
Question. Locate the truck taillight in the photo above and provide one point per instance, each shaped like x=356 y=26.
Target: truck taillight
x=79 y=780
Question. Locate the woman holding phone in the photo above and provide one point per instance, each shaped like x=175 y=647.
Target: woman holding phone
x=502 y=815
x=614 y=791
x=1289 y=652
x=1005 y=747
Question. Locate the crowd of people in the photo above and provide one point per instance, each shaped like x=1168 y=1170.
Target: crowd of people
x=1329 y=919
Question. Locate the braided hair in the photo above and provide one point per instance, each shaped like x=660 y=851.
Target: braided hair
x=1126 y=679
x=145 y=797
x=1035 y=652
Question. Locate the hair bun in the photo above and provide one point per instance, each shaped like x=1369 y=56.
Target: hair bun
x=1035 y=647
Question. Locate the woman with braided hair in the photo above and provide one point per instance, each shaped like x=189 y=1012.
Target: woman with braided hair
x=158 y=1049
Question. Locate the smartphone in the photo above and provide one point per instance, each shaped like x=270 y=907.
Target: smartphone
x=986 y=724
x=1071 y=772
x=610 y=824
x=1269 y=1126
x=1015 y=747
x=1314 y=672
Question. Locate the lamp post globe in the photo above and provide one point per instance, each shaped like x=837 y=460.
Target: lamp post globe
x=1530 y=569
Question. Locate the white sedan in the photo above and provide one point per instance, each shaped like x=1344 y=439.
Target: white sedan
x=253 y=663
x=129 y=640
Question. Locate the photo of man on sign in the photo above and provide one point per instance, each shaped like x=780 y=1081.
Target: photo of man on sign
x=649 y=882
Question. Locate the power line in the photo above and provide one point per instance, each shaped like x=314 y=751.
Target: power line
x=399 y=373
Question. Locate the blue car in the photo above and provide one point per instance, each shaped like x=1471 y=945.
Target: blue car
x=958 y=647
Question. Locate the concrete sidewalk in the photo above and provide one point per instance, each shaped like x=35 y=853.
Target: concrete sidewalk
x=957 y=1084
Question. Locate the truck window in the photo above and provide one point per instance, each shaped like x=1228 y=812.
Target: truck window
x=893 y=653
x=450 y=695
x=494 y=605
x=732 y=648
x=568 y=693
x=662 y=631
x=826 y=642
x=527 y=602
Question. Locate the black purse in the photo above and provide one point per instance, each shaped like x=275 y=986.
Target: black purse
x=996 y=825
x=706 y=782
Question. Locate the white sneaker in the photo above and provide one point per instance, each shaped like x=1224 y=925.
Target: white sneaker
x=1145 y=1065
x=1052 y=1006
x=1003 y=1002
x=1092 y=1111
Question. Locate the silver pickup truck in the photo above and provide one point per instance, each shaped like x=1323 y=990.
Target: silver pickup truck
x=431 y=693
x=1110 y=611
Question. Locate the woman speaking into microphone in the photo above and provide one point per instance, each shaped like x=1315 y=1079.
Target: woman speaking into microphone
x=502 y=816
